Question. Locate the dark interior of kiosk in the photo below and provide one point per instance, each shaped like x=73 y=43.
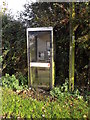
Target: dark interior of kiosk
x=40 y=52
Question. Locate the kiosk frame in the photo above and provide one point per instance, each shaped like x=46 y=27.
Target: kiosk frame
x=52 y=70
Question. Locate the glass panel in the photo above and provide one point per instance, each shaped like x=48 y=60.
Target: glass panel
x=32 y=48
x=39 y=46
x=40 y=76
x=40 y=53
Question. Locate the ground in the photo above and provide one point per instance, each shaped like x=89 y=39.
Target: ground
x=38 y=103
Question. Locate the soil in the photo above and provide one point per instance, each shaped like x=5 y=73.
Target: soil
x=39 y=93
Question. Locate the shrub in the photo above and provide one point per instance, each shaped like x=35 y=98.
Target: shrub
x=63 y=91
x=22 y=79
x=1 y=59
x=16 y=106
x=10 y=82
x=60 y=91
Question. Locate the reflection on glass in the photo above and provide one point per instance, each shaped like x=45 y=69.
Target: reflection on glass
x=40 y=46
x=40 y=53
x=40 y=76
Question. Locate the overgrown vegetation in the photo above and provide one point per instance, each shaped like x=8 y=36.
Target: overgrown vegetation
x=14 y=60
x=13 y=83
x=56 y=15
x=15 y=106
x=63 y=92
x=61 y=103
x=10 y=82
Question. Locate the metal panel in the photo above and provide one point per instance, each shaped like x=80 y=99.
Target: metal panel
x=40 y=29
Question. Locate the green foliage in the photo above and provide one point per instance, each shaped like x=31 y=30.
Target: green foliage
x=63 y=91
x=87 y=96
x=57 y=15
x=73 y=99
x=64 y=87
x=1 y=59
x=14 y=106
x=49 y=14
x=13 y=46
x=22 y=79
x=10 y=82
x=57 y=91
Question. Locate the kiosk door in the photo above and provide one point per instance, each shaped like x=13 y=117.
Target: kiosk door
x=40 y=56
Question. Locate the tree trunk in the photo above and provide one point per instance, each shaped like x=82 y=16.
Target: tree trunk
x=72 y=47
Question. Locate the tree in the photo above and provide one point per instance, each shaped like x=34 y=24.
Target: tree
x=13 y=46
x=72 y=47
x=82 y=45
x=57 y=15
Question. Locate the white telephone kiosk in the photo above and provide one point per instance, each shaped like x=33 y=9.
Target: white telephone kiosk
x=40 y=56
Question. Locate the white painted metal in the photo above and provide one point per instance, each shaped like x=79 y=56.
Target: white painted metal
x=38 y=64
x=40 y=29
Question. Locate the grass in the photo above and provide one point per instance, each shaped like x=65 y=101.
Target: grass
x=0 y=101
x=15 y=106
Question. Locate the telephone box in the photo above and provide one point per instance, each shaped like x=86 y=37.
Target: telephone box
x=40 y=56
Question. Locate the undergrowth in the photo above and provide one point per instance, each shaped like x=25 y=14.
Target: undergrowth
x=14 y=106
